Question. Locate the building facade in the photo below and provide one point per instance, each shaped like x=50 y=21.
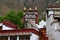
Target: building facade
x=19 y=34
x=9 y=31
x=53 y=22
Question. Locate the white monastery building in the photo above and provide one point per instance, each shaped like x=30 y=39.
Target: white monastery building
x=53 y=22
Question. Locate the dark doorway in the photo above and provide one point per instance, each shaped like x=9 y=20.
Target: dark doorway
x=24 y=37
x=13 y=37
x=3 y=37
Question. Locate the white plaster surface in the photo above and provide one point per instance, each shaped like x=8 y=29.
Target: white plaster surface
x=34 y=37
x=1 y=24
x=6 y=28
x=51 y=29
x=42 y=23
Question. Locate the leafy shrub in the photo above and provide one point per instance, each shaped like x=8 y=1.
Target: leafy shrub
x=16 y=18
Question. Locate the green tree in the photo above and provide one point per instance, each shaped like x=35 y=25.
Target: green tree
x=16 y=18
x=0 y=19
x=20 y=17
x=10 y=15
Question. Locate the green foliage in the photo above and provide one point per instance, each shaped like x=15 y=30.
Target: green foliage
x=20 y=14
x=16 y=18
x=19 y=17
x=0 y=19
x=42 y=18
x=10 y=15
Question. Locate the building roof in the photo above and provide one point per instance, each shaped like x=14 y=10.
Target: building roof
x=54 y=7
x=18 y=32
x=9 y=24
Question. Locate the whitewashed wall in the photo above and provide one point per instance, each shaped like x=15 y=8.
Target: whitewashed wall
x=49 y=20
x=42 y=23
x=6 y=28
x=51 y=29
x=1 y=24
x=34 y=37
x=55 y=34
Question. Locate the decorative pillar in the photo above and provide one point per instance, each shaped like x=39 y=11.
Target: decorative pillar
x=8 y=37
x=36 y=19
x=17 y=37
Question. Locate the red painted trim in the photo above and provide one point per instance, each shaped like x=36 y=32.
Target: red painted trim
x=9 y=24
x=36 y=19
x=54 y=7
x=21 y=30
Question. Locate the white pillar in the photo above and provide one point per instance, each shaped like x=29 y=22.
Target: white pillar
x=8 y=37
x=17 y=37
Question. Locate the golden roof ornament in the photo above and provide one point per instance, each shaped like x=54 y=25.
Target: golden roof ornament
x=24 y=8
x=30 y=9
x=35 y=8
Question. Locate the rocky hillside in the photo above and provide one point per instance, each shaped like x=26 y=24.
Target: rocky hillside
x=7 y=5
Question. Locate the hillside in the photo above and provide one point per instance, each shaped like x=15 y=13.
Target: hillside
x=7 y=5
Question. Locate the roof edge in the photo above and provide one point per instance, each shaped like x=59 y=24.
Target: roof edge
x=53 y=8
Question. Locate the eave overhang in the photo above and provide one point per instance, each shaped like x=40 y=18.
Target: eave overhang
x=18 y=32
